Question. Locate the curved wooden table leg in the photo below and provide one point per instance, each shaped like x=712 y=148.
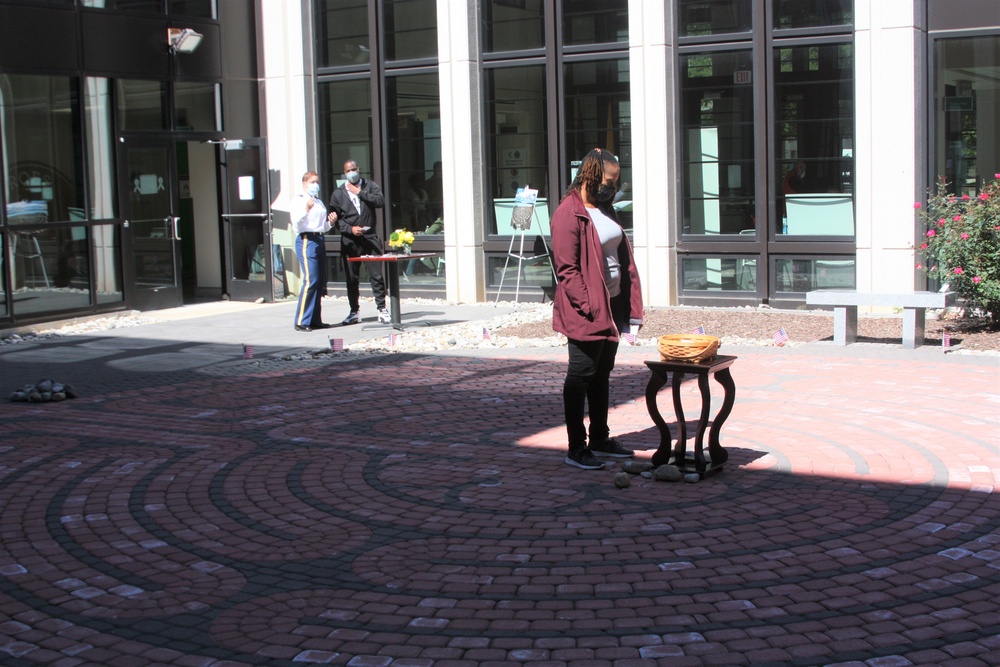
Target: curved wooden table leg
x=715 y=450
x=662 y=455
x=680 y=451
x=699 y=436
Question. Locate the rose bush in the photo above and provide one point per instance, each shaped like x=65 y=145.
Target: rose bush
x=961 y=245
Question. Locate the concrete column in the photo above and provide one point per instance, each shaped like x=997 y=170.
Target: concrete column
x=462 y=135
x=654 y=148
x=286 y=25
x=890 y=142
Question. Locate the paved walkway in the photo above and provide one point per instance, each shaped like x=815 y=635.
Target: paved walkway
x=194 y=508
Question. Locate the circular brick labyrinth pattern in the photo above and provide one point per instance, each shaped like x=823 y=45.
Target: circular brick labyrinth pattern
x=416 y=511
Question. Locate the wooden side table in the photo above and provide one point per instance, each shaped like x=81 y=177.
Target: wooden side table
x=677 y=455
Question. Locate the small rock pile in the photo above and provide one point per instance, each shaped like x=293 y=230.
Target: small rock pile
x=44 y=391
x=664 y=473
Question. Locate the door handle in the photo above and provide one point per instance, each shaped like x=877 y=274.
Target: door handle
x=172 y=221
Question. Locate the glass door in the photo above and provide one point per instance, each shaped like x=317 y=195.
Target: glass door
x=151 y=238
x=246 y=222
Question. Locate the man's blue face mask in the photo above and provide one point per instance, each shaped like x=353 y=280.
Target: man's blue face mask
x=353 y=176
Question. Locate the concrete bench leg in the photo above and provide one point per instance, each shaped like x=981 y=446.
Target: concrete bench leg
x=845 y=325
x=913 y=327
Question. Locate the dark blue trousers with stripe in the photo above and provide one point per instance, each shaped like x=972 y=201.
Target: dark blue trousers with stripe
x=310 y=248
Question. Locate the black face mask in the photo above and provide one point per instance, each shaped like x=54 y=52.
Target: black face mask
x=606 y=193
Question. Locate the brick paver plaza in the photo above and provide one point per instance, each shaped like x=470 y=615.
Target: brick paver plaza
x=408 y=510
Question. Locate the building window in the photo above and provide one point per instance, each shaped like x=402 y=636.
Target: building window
x=589 y=22
x=342 y=33
x=717 y=143
x=40 y=133
x=414 y=179
x=141 y=105
x=967 y=93
x=713 y=17
x=814 y=134
x=410 y=29
x=196 y=106
x=345 y=128
x=516 y=100
x=598 y=113
x=802 y=274
x=513 y=25
x=767 y=144
x=812 y=13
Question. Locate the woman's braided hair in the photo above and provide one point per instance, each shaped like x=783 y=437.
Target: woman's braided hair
x=591 y=173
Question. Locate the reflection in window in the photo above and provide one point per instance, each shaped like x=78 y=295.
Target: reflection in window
x=812 y=13
x=3 y=275
x=717 y=274
x=535 y=273
x=196 y=106
x=410 y=29
x=717 y=143
x=589 y=22
x=199 y=8
x=415 y=154
x=50 y=269
x=106 y=242
x=513 y=25
x=141 y=104
x=345 y=129
x=713 y=17
x=802 y=275
x=342 y=33
x=98 y=123
x=814 y=131
x=39 y=124
x=598 y=113
x=968 y=81
x=518 y=136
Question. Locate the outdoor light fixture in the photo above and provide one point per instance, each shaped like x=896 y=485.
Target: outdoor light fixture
x=183 y=40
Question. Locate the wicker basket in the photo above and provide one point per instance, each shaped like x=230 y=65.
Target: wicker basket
x=688 y=347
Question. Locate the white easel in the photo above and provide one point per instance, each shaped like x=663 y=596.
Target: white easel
x=520 y=219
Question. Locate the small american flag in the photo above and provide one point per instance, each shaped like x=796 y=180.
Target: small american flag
x=699 y=330
x=336 y=344
x=946 y=339
x=629 y=337
x=248 y=351
x=780 y=337
x=393 y=339
x=486 y=334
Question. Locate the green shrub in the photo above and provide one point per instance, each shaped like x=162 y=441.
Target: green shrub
x=961 y=245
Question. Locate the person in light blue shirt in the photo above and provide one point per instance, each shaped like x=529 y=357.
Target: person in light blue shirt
x=310 y=222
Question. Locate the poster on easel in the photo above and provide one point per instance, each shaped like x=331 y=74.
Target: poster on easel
x=525 y=196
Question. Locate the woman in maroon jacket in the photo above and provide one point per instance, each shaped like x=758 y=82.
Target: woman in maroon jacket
x=598 y=296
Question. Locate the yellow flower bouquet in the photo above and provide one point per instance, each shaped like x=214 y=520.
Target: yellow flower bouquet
x=401 y=239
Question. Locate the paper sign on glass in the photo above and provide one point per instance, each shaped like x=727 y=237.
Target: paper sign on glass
x=246 y=188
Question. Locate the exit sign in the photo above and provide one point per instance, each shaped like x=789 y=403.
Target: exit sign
x=742 y=76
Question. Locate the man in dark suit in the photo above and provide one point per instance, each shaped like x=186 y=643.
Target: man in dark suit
x=355 y=202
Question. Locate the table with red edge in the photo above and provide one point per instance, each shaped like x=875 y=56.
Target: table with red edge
x=390 y=263
x=668 y=453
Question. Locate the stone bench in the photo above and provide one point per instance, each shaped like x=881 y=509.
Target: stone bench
x=845 y=311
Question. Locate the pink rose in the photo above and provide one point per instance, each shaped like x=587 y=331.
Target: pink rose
x=957 y=218
x=983 y=196
x=976 y=279
x=965 y=198
x=941 y=222
x=920 y=266
x=916 y=205
x=931 y=233
x=958 y=271
x=923 y=246
x=964 y=236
